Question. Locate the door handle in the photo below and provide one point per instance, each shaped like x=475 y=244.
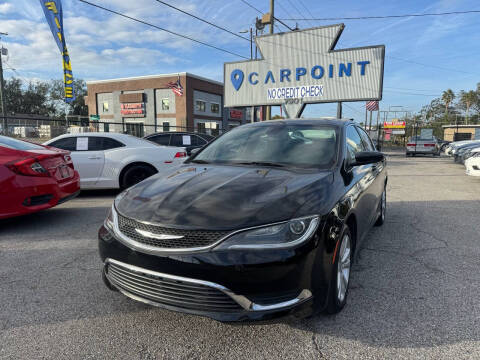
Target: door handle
x=94 y=157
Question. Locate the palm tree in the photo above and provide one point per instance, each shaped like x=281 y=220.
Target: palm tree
x=447 y=98
x=468 y=99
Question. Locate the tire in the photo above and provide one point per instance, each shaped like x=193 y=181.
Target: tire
x=383 y=209
x=338 y=292
x=407 y=154
x=136 y=173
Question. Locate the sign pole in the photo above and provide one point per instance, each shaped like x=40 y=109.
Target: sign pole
x=339 y=110
x=272 y=6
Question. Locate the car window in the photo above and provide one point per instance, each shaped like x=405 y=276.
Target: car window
x=95 y=143
x=160 y=139
x=309 y=146
x=181 y=140
x=354 y=143
x=18 y=144
x=67 y=143
x=198 y=141
x=367 y=142
x=109 y=143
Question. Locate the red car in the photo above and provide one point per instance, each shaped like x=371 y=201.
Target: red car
x=34 y=177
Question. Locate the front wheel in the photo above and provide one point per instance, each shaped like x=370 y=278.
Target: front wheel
x=337 y=297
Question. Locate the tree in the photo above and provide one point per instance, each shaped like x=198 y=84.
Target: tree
x=31 y=98
x=57 y=96
x=447 y=97
x=467 y=99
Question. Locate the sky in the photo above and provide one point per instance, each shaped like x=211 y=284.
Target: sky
x=424 y=55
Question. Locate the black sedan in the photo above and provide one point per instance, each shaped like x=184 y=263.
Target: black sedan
x=188 y=140
x=262 y=222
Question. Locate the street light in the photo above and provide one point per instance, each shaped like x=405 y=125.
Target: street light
x=251 y=40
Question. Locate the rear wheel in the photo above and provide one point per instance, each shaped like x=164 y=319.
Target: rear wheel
x=337 y=297
x=136 y=173
x=383 y=209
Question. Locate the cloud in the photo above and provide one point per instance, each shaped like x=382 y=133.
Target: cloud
x=6 y=8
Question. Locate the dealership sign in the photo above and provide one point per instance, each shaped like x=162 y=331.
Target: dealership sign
x=394 y=124
x=133 y=109
x=302 y=67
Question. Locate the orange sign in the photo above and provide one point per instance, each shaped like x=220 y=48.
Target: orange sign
x=394 y=124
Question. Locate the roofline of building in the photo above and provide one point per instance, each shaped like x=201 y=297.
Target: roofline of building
x=461 y=126
x=155 y=76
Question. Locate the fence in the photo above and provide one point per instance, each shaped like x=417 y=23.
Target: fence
x=40 y=129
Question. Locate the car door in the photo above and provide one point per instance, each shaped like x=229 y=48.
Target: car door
x=360 y=181
x=377 y=173
x=88 y=158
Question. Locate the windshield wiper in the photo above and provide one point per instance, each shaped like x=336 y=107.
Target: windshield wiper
x=260 y=163
x=200 y=161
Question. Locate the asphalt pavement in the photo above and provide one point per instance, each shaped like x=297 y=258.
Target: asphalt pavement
x=415 y=290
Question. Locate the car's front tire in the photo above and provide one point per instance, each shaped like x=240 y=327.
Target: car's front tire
x=337 y=297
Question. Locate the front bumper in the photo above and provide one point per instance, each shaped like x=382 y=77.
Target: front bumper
x=255 y=285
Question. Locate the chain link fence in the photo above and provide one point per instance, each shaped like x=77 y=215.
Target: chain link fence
x=40 y=129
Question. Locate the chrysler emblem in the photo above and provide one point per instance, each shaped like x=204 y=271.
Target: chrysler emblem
x=158 y=236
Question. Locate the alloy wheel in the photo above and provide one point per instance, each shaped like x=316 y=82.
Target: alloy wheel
x=343 y=268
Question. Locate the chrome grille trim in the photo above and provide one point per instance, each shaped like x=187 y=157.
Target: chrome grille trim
x=156 y=288
x=143 y=283
x=136 y=241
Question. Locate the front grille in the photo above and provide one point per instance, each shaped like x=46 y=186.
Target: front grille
x=163 y=290
x=190 y=239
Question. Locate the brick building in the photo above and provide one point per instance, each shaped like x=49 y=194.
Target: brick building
x=461 y=132
x=144 y=105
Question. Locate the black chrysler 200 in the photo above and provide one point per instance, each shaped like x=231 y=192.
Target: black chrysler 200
x=262 y=222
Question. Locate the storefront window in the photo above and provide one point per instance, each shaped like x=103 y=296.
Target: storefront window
x=200 y=105
x=165 y=104
x=215 y=108
x=201 y=128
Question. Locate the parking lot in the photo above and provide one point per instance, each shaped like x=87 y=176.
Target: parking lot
x=414 y=290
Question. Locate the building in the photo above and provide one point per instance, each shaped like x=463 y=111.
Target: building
x=146 y=104
x=461 y=132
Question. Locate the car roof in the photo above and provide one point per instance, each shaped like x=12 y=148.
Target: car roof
x=176 y=132
x=319 y=121
x=125 y=138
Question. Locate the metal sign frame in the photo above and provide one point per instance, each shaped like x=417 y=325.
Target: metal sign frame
x=300 y=103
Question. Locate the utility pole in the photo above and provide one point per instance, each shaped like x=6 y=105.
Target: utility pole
x=272 y=17
x=2 y=93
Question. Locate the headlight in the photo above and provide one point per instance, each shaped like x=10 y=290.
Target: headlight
x=277 y=236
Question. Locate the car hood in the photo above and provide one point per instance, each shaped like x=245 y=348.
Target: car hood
x=223 y=197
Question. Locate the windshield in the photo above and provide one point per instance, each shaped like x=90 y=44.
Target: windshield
x=18 y=144
x=309 y=146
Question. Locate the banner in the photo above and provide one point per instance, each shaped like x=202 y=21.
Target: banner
x=54 y=15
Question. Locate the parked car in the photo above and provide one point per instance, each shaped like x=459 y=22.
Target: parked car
x=260 y=223
x=188 y=140
x=472 y=165
x=459 y=151
x=443 y=144
x=34 y=177
x=111 y=160
x=471 y=151
x=417 y=145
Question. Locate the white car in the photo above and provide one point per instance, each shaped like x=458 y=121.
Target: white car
x=473 y=165
x=112 y=161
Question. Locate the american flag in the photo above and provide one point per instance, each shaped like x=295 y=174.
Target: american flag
x=176 y=87
x=372 y=106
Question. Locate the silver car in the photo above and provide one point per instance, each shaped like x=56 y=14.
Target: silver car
x=417 y=145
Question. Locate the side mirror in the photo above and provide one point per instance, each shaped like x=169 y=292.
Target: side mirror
x=368 y=157
x=194 y=151
x=378 y=147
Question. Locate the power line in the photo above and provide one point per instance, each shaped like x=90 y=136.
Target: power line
x=203 y=20
x=260 y=12
x=388 y=16
x=163 y=29
x=297 y=9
